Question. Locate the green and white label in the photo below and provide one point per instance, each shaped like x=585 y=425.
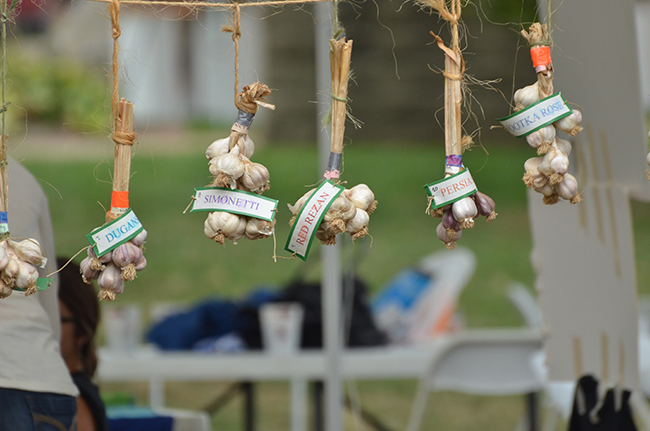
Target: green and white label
x=536 y=116
x=234 y=201
x=115 y=233
x=41 y=284
x=451 y=189
x=309 y=218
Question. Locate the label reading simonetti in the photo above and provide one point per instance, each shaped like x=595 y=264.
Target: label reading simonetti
x=234 y=201
x=536 y=116
x=107 y=237
x=451 y=189
x=309 y=218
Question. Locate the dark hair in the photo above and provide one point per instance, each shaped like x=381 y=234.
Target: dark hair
x=81 y=300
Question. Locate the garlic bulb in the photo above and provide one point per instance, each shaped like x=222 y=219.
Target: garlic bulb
x=10 y=273
x=139 y=239
x=563 y=145
x=526 y=96
x=450 y=223
x=485 y=205
x=218 y=148
x=5 y=290
x=357 y=227
x=246 y=146
x=4 y=257
x=464 y=211
x=568 y=189
x=571 y=123
x=325 y=235
x=362 y=197
x=339 y=213
x=257 y=228
x=87 y=273
x=227 y=169
x=28 y=250
x=110 y=282
x=542 y=139
x=255 y=177
x=141 y=264
x=27 y=277
x=220 y=225
x=124 y=257
x=443 y=235
x=295 y=209
x=550 y=195
x=97 y=263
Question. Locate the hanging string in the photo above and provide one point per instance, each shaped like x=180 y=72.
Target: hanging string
x=7 y=10
x=114 y=10
x=202 y=4
x=235 y=29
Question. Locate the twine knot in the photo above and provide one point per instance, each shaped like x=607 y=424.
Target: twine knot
x=250 y=95
x=123 y=138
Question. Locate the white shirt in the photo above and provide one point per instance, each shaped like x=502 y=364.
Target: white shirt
x=30 y=358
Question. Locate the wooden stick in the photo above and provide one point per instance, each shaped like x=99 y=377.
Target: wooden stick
x=123 y=136
x=453 y=92
x=4 y=186
x=340 y=58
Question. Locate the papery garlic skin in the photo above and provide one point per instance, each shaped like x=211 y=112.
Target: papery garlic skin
x=124 y=257
x=87 y=273
x=357 y=227
x=255 y=178
x=220 y=225
x=464 y=211
x=362 y=197
x=295 y=209
x=563 y=145
x=5 y=290
x=568 y=189
x=110 y=282
x=227 y=169
x=485 y=205
x=542 y=139
x=4 y=257
x=28 y=250
x=339 y=213
x=449 y=240
x=246 y=146
x=218 y=148
x=257 y=228
x=11 y=271
x=139 y=239
x=526 y=96
x=26 y=277
x=571 y=123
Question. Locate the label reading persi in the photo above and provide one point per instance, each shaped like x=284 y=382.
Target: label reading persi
x=234 y=201
x=117 y=232
x=309 y=218
x=451 y=189
x=536 y=116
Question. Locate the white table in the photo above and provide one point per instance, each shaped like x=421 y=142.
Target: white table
x=393 y=362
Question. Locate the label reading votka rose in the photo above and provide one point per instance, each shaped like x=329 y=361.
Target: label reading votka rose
x=115 y=233
x=451 y=189
x=536 y=116
x=310 y=216
x=234 y=201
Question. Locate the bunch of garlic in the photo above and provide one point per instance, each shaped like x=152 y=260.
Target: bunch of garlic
x=460 y=215
x=548 y=174
x=350 y=212
x=115 y=267
x=18 y=262
x=232 y=168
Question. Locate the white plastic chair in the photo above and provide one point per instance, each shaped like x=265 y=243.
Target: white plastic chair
x=480 y=362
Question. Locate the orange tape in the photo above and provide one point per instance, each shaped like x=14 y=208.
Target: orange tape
x=541 y=56
x=120 y=199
